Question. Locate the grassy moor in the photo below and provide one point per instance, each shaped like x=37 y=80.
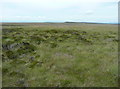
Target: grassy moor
x=59 y=55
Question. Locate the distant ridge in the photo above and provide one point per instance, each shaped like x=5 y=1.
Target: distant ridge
x=91 y=22
x=64 y=22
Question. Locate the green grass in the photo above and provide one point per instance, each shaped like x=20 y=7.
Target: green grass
x=78 y=55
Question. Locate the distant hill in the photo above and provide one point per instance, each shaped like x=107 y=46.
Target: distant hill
x=90 y=22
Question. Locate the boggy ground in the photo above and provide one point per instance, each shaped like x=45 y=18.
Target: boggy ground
x=60 y=54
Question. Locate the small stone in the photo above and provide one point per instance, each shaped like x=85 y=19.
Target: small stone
x=32 y=58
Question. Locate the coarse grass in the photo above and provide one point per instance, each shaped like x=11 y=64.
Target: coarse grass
x=60 y=54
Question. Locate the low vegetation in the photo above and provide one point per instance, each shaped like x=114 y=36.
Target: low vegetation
x=62 y=55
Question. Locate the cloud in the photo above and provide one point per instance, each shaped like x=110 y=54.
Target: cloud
x=56 y=1
x=58 y=10
x=89 y=12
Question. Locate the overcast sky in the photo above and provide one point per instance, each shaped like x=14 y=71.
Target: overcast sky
x=104 y=11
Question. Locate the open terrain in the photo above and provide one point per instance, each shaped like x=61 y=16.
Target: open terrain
x=59 y=54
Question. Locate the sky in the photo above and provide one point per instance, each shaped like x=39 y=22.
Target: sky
x=101 y=11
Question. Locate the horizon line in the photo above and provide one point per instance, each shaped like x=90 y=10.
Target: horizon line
x=64 y=22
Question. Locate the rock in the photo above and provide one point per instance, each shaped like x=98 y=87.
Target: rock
x=32 y=58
